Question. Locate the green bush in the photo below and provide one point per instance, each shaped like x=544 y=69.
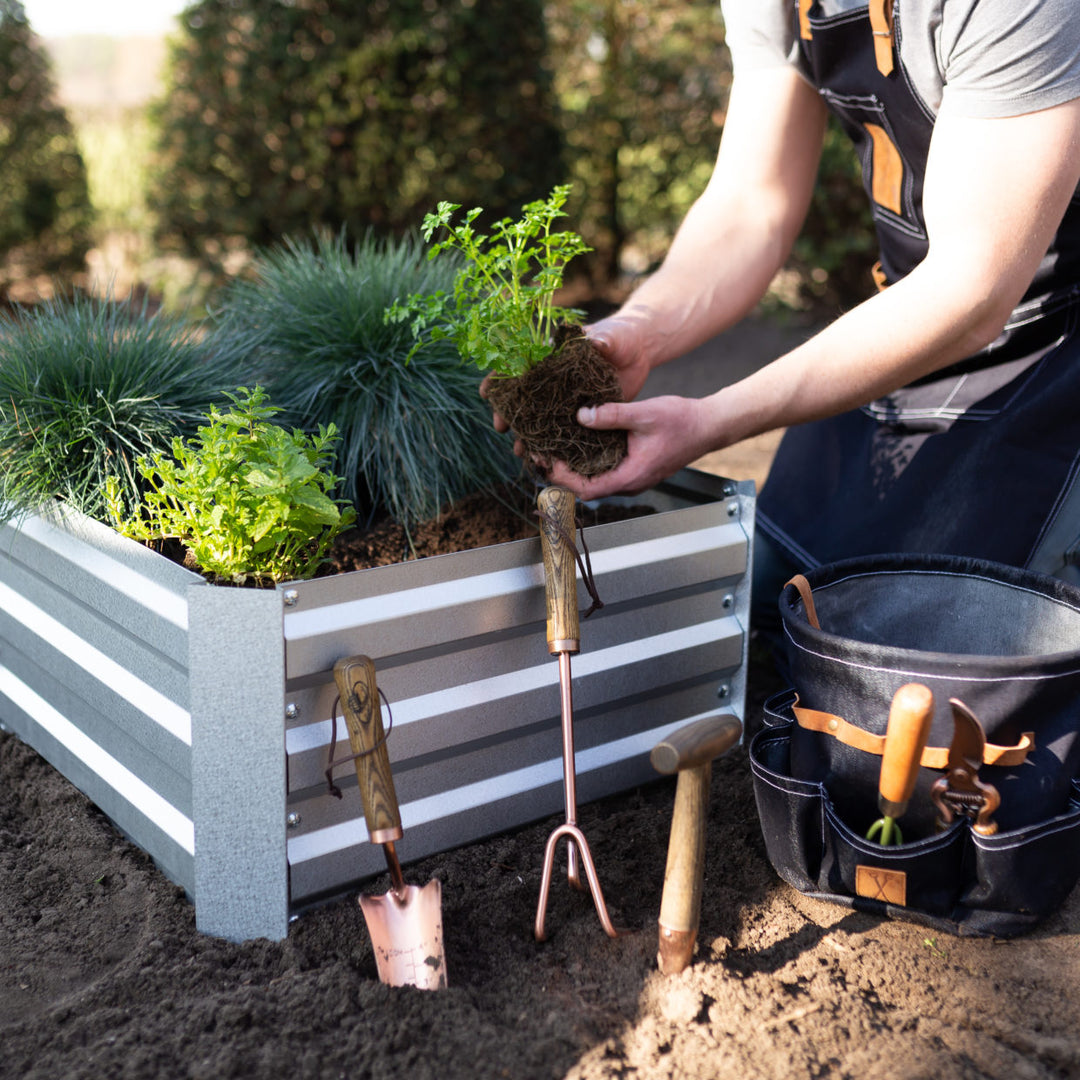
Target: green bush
x=642 y=87
x=310 y=324
x=86 y=387
x=45 y=213
x=280 y=116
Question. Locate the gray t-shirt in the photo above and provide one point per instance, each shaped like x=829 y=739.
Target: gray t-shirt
x=990 y=59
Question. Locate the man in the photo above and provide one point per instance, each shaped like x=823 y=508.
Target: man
x=940 y=415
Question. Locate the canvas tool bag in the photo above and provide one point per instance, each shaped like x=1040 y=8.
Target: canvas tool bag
x=1002 y=642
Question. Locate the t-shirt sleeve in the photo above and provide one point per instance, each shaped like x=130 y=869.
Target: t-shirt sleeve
x=1007 y=59
x=758 y=33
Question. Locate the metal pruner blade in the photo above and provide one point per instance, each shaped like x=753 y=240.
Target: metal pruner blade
x=960 y=792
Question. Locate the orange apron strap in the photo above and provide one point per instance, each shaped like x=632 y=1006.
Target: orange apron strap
x=881 y=24
x=933 y=757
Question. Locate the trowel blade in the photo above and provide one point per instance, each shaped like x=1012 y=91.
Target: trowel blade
x=407 y=936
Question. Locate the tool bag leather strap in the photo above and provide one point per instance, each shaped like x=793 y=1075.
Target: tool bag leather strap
x=933 y=757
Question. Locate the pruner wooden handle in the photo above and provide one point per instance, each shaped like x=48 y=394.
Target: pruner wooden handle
x=355 y=679
x=557 y=529
x=910 y=717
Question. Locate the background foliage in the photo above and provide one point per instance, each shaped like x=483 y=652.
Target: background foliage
x=642 y=85
x=280 y=116
x=45 y=211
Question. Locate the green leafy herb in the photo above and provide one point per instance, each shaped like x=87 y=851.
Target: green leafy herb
x=250 y=500
x=501 y=315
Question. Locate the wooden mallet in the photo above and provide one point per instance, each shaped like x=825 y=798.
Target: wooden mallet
x=688 y=751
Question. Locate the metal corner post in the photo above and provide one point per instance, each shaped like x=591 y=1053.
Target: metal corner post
x=237 y=670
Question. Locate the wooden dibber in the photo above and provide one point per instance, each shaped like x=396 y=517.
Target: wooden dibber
x=688 y=751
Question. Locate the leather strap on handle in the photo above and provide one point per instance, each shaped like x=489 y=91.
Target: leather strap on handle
x=807 y=598
x=933 y=757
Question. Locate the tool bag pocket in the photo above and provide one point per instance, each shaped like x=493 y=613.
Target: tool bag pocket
x=1003 y=642
x=953 y=881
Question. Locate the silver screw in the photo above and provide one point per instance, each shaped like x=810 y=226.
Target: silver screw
x=290 y=597
x=292 y=711
x=728 y=602
x=732 y=509
x=292 y=819
x=722 y=691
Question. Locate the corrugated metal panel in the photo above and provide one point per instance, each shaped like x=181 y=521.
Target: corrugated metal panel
x=461 y=655
x=84 y=683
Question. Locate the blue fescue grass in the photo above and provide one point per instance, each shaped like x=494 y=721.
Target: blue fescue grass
x=310 y=325
x=88 y=385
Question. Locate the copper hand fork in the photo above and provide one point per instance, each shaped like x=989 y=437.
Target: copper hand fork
x=556 y=507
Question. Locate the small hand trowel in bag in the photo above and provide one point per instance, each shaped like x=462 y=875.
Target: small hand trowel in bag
x=405 y=924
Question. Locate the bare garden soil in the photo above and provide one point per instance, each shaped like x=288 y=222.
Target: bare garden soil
x=103 y=975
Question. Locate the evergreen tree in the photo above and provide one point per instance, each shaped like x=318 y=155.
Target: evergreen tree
x=45 y=212
x=281 y=115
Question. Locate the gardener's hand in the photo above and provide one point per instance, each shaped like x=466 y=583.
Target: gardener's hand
x=622 y=339
x=500 y=424
x=663 y=435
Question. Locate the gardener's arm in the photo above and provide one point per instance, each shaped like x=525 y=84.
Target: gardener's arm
x=735 y=236
x=994 y=194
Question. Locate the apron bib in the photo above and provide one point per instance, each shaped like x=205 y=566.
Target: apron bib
x=980 y=459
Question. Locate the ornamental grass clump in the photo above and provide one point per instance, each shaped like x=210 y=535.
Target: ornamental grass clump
x=88 y=385
x=412 y=437
x=502 y=317
x=250 y=501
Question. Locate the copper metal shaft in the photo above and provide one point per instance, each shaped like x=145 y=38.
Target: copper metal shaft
x=576 y=841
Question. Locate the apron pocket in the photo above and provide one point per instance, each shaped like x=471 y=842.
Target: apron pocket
x=925 y=875
x=1022 y=876
x=789 y=810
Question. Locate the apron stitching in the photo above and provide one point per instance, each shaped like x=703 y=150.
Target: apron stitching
x=955 y=390
x=916 y=572
x=771 y=529
x=928 y=675
x=1062 y=499
x=898 y=36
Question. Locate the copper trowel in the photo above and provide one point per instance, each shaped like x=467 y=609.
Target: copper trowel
x=405 y=924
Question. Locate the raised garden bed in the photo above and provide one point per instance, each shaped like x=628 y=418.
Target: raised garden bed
x=198 y=717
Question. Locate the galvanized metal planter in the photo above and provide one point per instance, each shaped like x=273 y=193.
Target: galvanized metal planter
x=198 y=718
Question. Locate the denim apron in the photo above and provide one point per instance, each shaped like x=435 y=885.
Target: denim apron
x=981 y=459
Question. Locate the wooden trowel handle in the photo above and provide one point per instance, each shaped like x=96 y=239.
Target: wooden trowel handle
x=355 y=679
x=556 y=506
x=910 y=717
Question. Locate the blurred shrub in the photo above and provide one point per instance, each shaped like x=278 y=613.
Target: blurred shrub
x=45 y=210
x=643 y=87
x=281 y=115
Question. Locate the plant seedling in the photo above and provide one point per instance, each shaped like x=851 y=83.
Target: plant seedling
x=501 y=315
